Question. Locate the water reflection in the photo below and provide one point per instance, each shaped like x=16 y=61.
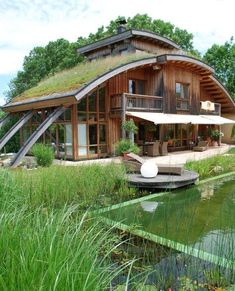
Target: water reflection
x=207 y=191
x=199 y=216
x=149 y=206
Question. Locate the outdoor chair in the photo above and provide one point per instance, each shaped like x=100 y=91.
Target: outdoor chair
x=134 y=164
x=164 y=150
x=202 y=146
x=153 y=149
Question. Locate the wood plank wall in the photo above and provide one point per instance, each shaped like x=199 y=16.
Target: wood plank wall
x=173 y=74
x=205 y=95
x=153 y=47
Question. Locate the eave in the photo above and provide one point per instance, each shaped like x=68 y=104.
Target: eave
x=132 y=33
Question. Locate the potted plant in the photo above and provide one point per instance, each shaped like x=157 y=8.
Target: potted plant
x=216 y=135
x=125 y=146
x=130 y=127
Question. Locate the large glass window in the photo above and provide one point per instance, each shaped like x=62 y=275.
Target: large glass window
x=58 y=135
x=82 y=139
x=92 y=124
x=102 y=99
x=182 y=96
x=179 y=135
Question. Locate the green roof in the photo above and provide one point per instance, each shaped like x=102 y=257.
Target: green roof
x=78 y=76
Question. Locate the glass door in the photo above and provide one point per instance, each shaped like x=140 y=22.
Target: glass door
x=82 y=139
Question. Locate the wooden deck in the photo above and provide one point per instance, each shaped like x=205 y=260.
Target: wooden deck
x=163 y=181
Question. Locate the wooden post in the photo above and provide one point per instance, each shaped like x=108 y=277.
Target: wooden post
x=36 y=134
x=219 y=143
x=74 y=131
x=123 y=114
x=23 y=120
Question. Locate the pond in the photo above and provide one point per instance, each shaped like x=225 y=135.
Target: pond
x=199 y=221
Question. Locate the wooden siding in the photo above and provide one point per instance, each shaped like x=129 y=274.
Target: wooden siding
x=195 y=94
x=154 y=82
x=154 y=48
x=205 y=95
x=114 y=133
x=173 y=74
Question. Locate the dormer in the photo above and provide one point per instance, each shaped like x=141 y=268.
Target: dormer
x=130 y=41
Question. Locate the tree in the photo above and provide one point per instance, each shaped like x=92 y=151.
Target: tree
x=13 y=144
x=222 y=59
x=61 y=54
x=44 y=61
x=145 y=22
x=1 y=114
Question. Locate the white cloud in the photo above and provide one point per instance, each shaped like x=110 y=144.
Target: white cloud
x=10 y=60
x=29 y=23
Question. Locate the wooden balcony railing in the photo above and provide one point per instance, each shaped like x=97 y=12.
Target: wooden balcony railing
x=216 y=111
x=135 y=102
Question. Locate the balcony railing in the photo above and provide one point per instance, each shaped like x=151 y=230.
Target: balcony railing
x=216 y=111
x=135 y=102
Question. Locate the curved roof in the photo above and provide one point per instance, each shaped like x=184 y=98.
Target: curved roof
x=221 y=95
x=187 y=62
x=69 y=82
x=197 y=65
x=82 y=79
x=166 y=42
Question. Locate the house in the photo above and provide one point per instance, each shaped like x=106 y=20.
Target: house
x=132 y=74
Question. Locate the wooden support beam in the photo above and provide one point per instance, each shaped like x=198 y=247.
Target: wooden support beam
x=35 y=136
x=25 y=118
x=4 y=120
x=75 y=131
x=123 y=114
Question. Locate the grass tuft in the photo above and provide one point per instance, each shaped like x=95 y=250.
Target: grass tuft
x=212 y=166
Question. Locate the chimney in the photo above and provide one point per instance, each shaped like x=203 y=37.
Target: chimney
x=121 y=25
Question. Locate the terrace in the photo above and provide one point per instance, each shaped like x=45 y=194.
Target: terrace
x=136 y=102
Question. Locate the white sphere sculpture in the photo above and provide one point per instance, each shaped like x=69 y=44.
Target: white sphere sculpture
x=149 y=169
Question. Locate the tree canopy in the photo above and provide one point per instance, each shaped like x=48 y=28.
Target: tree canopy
x=222 y=58
x=61 y=54
x=44 y=61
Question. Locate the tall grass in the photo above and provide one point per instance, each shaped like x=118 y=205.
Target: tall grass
x=43 y=250
x=46 y=241
x=91 y=186
x=212 y=166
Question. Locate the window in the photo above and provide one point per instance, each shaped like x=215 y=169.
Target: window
x=182 y=96
x=137 y=87
x=92 y=124
x=179 y=135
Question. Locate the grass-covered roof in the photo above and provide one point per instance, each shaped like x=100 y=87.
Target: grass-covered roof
x=77 y=77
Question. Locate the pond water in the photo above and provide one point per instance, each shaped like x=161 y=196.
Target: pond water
x=199 y=221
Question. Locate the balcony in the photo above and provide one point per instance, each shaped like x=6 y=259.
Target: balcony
x=215 y=110
x=135 y=102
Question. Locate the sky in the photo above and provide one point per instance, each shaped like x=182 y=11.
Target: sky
x=25 y=24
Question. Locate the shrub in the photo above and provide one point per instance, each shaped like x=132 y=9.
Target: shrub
x=44 y=155
x=126 y=146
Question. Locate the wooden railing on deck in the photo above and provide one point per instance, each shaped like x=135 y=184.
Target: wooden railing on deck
x=135 y=102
